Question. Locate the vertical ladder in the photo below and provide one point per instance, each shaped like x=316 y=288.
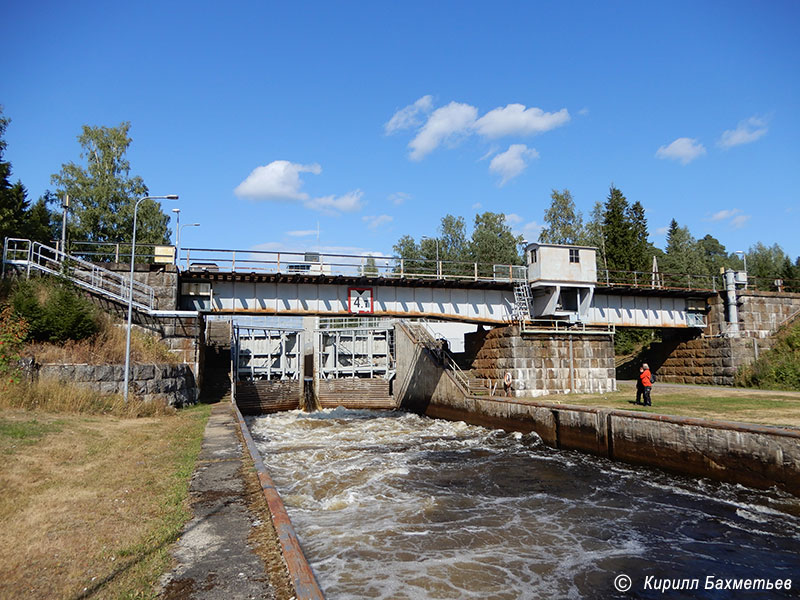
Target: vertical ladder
x=522 y=302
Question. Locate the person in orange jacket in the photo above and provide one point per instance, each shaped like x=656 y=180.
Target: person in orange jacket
x=644 y=385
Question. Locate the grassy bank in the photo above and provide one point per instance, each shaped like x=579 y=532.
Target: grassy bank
x=718 y=403
x=91 y=503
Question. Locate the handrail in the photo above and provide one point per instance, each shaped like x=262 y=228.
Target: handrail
x=34 y=255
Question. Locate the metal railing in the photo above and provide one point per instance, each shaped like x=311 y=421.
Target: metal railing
x=423 y=336
x=312 y=263
x=565 y=327
x=114 y=251
x=656 y=281
x=27 y=255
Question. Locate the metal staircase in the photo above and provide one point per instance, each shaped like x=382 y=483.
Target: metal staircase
x=25 y=255
x=521 y=311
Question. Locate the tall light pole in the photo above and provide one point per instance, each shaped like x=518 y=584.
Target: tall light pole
x=179 y=234
x=130 y=290
x=425 y=237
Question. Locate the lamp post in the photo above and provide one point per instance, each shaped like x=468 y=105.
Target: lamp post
x=179 y=235
x=130 y=291
x=425 y=237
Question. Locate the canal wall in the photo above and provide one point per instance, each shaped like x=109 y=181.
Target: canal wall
x=751 y=455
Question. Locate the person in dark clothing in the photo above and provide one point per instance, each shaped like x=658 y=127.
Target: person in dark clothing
x=644 y=385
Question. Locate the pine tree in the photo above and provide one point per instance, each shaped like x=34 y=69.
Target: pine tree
x=618 y=233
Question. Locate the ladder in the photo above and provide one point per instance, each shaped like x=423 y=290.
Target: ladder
x=521 y=312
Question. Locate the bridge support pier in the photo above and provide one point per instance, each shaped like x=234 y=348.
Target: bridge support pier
x=544 y=363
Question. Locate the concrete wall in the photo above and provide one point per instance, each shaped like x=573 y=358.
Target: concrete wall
x=545 y=363
x=737 y=453
x=173 y=383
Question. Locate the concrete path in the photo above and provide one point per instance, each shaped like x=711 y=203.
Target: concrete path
x=215 y=560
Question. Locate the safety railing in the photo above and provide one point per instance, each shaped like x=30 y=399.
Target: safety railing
x=420 y=333
x=118 y=252
x=33 y=256
x=557 y=326
x=313 y=263
x=656 y=281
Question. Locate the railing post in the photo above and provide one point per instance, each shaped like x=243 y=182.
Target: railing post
x=116 y=253
x=402 y=268
x=233 y=262
x=187 y=258
x=475 y=265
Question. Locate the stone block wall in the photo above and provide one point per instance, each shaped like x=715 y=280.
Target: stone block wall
x=703 y=360
x=761 y=313
x=547 y=363
x=162 y=278
x=173 y=383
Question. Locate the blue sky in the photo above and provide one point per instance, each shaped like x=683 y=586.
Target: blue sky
x=373 y=120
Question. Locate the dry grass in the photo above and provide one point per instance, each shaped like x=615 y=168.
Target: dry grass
x=717 y=403
x=106 y=347
x=60 y=397
x=90 y=505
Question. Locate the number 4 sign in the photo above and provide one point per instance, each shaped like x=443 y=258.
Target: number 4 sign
x=359 y=300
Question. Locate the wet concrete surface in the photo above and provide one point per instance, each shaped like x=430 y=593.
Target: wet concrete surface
x=215 y=560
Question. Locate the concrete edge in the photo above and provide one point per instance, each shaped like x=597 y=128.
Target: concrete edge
x=303 y=579
x=778 y=430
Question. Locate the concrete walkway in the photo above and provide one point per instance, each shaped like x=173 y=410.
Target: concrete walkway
x=215 y=560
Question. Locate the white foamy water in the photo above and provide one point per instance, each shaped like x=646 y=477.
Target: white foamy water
x=393 y=505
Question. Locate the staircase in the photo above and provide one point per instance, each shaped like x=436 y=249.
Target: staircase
x=28 y=256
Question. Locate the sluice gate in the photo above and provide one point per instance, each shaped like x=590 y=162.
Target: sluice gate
x=339 y=362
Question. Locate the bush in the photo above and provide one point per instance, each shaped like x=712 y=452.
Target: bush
x=778 y=368
x=13 y=331
x=54 y=310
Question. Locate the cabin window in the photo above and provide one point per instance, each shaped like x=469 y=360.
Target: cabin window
x=534 y=254
x=574 y=255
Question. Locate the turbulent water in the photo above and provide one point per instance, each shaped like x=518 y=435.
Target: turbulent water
x=393 y=505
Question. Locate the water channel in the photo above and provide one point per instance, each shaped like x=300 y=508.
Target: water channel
x=394 y=505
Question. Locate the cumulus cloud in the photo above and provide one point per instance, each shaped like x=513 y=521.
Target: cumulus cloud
x=515 y=119
x=349 y=202
x=512 y=162
x=684 y=150
x=375 y=221
x=746 y=132
x=445 y=123
x=409 y=117
x=529 y=231
x=513 y=219
x=279 y=180
x=733 y=216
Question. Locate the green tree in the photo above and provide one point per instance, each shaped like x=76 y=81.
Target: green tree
x=13 y=196
x=104 y=193
x=594 y=234
x=683 y=253
x=369 y=268
x=642 y=249
x=564 y=221
x=618 y=233
x=492 y=243
x=453 y=245
x=765 y=263
x=714 y=254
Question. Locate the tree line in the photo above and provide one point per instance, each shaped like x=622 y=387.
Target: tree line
x=617 y=228
x=101 y=190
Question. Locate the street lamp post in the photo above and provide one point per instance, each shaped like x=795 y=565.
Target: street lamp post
x=425 y=237
x=130 y=291
x=179 y=235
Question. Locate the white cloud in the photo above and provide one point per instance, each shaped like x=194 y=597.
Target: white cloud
x=746 y=132
x=512 y=162
x=349 y=202
x=444 y=124
x=476 y=206
x=302 y=233
x=408 y=117
x=399 y=198
x=723 y=215
x=513 y=219
x=375 y=221
x=515 y=119
x=584 y=112
x=739 y=221
x=662 y=230
x=279 y=180
x=529 y=232
x=684 y=150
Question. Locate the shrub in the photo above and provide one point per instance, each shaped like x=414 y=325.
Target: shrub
x=13 y=331
x=54 y=310
x=778 y=368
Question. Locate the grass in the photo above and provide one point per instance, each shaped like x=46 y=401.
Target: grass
x=91 y=503
x=723 y=404
x=57 y=396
